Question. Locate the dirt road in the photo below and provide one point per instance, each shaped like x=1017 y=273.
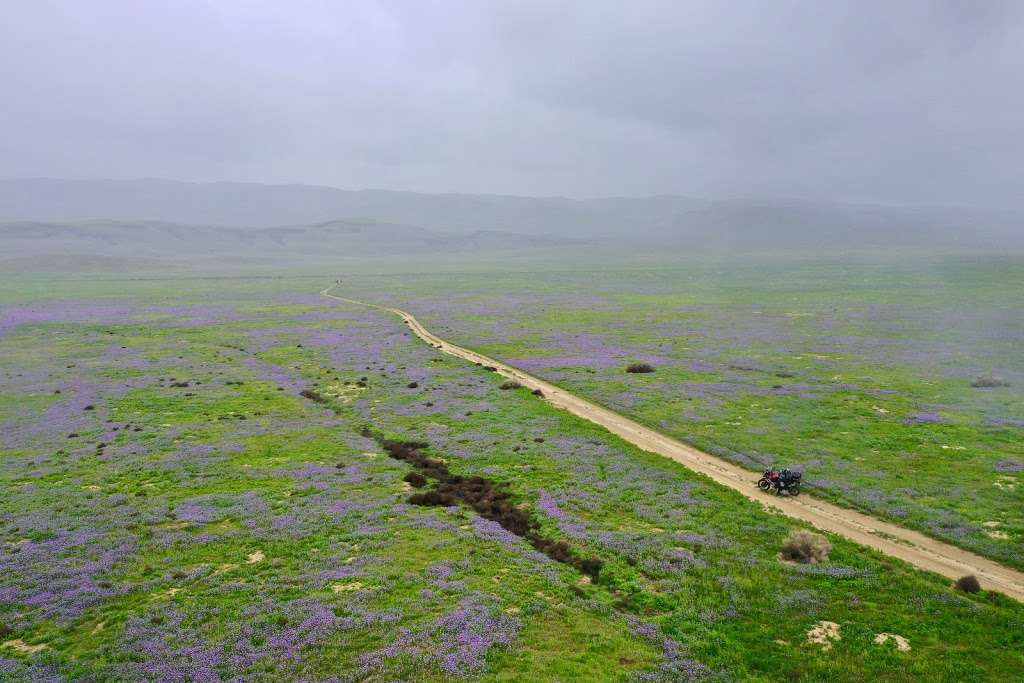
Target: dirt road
x=910 y=546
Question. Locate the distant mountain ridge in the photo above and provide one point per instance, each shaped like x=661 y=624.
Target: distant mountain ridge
x=653 y=222
x=162 y=240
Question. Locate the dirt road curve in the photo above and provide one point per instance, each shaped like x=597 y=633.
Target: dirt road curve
x=911 y=546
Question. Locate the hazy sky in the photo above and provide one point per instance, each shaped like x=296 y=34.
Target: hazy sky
x=890 y=101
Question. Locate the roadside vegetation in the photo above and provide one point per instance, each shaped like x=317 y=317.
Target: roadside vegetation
x=896 y=384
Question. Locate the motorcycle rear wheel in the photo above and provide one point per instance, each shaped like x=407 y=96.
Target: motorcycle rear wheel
x=763 y=484
x=794 y=490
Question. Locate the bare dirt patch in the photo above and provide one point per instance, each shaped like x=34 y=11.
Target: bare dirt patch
x=346 y=587
x=823 y=633
x=21 y=646
x=902 y=644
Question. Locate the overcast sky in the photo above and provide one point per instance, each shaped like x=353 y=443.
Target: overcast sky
x=896 y=102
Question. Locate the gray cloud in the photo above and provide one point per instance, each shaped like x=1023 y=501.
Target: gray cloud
x=909 y=102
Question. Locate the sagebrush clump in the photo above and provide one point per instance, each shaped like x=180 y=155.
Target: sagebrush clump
x=639 y=368
x=987 y=380
x=968 y=584
x=312 y=396
x=510 y=384
x=806 y=547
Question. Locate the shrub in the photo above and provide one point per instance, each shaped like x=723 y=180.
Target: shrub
x=510 y=384
x=537 y=392
x=806 y=547
x=416 y=480
x=968 y=584
x=413 y=385
x=486 y=497
x=987 y=380
x=591 y=567
x=639 y=367
x=433 y=497
x=312 y=396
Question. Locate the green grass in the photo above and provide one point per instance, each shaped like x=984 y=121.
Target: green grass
x=819 y=363
x=697 y=561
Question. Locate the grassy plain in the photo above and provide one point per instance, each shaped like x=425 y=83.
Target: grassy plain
x=858 y=370
x=175 y=509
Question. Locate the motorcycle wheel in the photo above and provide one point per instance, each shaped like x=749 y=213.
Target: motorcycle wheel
x=794 y=490
x=763 y=484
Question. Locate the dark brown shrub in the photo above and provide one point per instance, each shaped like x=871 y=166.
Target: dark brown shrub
x=638 y=368
x=416 y=480
x=968 y=584
x=591 y=567
x=413 y=385
x=988 y=380
x=312 y=396
x=485 y=496
x=806 y=547
x=433 y=497
x=510 y=384
x=89 y=407
x=490 y=368
x=537 y=392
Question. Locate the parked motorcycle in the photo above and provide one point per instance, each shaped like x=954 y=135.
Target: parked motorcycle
x=782 y=482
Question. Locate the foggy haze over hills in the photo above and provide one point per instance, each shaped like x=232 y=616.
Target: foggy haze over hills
x=848 y=124
x=167 y=218
x=910 y=103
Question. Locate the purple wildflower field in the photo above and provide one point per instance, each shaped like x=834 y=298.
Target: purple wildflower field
x=199 y=487
x=875 y=378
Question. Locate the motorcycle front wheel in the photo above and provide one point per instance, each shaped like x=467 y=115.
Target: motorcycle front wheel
x=763 y=484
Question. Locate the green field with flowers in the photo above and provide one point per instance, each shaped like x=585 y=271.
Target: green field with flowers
x=230 y=479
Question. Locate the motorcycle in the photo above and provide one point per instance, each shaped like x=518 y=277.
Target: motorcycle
x=780 y=481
